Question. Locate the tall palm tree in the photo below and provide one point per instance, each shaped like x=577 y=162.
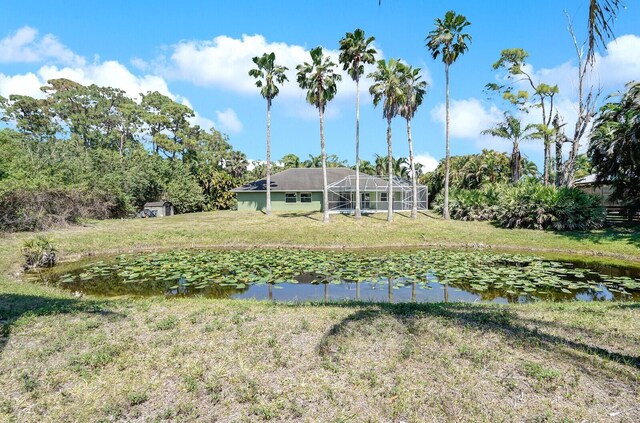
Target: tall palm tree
x=319 y=79
x=601 y=16
x=268 y=76
x=414 y=91
x=449 y=41
x=511 y=129
x=388 y=89
x=355 y=52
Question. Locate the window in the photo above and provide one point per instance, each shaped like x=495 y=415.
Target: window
x=291 y=197
x=305 y=197
x=383 y=196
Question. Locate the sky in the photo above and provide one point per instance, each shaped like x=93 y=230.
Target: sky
x=199 y=53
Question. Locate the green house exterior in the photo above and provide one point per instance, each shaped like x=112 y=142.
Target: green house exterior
x=300 y=190
x=251 y=201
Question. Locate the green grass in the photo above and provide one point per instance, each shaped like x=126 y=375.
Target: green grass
x=86 y=359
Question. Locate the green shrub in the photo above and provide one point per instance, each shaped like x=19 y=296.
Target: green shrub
x=535 y=206
x=528 y=204
x=39 y=252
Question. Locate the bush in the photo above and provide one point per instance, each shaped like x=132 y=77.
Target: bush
x=471 y=204
x=39 y=252
x=42 y=209
x=534 y=206
x=527 y=205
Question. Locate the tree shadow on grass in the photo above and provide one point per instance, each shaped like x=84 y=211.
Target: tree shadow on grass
x=485 y=318
x=15 y=306
x=308 y=215
x=629 y=234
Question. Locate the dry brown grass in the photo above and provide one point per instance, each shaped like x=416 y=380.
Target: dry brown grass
x=249 y=361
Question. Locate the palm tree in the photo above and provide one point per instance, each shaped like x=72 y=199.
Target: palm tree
x=290 y=161
x=400 y=167
x=319 y=79
x=367 y=167
x=388 y=89
x=354 y=54
x=414 y=91
x=268 y=76
x=511 y=129
x=448 y=40
x=601 y=15
x=381 y=163
x=313 y=161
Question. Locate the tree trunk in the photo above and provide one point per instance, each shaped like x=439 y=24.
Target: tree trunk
x=325 y=193
x=268 y=211
x=445 y=208
x=414 y=183
x=515 y=163
x=358 y=212
x=559 y=166
x=547 y=159
x=390 y=173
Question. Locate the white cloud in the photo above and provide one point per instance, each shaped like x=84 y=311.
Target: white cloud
x=109 y=73
x=224 y=62
x=427 y=161
x=621 y=63
x=228 y=121
x=25 y=84
x=467 y=117
x=24 y=46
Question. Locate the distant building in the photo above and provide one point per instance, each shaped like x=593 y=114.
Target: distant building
x=300 y=190
x=588 y=184
x=160 y=208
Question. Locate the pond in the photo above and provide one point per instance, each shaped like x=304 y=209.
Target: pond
x=309 y=275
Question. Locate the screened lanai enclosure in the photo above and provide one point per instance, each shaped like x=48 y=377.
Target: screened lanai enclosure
x=374 y=194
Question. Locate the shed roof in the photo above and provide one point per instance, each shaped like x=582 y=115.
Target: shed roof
x=157 y=203
x=589 y=180
x=298 y=179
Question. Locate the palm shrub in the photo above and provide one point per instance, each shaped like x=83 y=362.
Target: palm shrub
x=535 y=206
x=39 y=252
x=528 y=204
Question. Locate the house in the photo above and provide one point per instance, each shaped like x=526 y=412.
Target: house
x=159 y=208
x=589 y=185
x=300 y=189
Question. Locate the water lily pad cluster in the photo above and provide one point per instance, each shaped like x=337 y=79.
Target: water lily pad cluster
x=476 y=271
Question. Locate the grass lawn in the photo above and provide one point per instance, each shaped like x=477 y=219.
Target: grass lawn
x=89 y=359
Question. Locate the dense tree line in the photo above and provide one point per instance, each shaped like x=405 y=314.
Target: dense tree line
x=107 y=154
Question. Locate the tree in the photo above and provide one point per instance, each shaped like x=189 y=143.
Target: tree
x=168 y=124
x=354 y=54
x=511 y=129
x=269 y=76
x=513 y=60
x=388 y=89
x=290 y=161
x=614 y=148
x=449 y=41
x=414 y=91
x=601 y=15
x=320 y=81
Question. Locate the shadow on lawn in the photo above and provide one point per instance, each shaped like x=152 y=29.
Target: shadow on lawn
x=15 y=306
x=629 y=234
x=484 y=318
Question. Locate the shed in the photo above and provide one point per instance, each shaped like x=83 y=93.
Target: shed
x=161 y=208
x=590 y=185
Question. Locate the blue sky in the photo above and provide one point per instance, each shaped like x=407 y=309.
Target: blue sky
x=199 y=53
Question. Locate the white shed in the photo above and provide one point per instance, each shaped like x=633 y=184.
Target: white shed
x=161 y=208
